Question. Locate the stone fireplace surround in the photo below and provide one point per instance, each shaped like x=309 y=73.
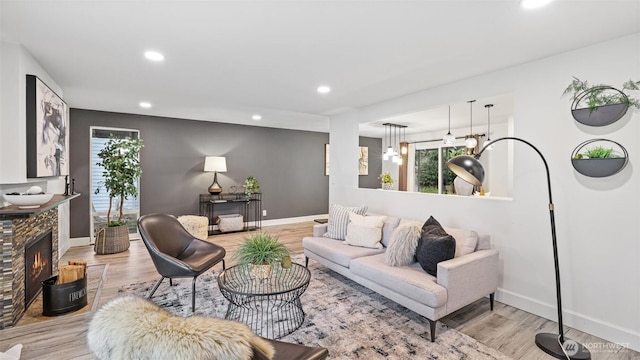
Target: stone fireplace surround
x=15 y=232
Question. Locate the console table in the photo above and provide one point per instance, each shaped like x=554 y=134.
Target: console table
x=250 y=207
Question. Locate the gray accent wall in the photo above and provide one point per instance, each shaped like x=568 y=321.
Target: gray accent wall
x=289 y=164
x=371 y=181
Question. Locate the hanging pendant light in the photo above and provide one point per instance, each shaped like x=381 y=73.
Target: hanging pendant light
x=389 y=147
x=488 y=142
x=385 y=154
x=470 y=141
x=404 y=149
x=395 y=142
x=449 y=139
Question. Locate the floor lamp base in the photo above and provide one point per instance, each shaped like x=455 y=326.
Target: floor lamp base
x=549 y=343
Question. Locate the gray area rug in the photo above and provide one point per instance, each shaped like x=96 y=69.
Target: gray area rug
x=350 y=320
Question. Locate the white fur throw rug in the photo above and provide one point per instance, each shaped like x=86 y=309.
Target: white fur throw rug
x=131 y=327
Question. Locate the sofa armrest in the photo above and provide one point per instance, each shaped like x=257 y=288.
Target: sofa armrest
x=320 y=229
x=469 y=277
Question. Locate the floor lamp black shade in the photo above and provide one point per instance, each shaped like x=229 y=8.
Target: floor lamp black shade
x=471 y=170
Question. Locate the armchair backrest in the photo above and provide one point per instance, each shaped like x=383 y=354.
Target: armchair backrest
x=163 y=233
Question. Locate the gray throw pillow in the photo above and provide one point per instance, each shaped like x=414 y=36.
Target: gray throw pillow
x=434 y=246
x=339 y=219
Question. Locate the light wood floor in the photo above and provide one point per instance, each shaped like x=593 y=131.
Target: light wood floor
x=509 y=330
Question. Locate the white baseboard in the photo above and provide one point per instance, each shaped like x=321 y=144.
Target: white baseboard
x=82 y=241
x=293 y=220
x=624 y=338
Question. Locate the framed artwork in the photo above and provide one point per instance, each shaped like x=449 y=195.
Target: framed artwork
x=47 y=131
x=326 y=159
x=363 y=160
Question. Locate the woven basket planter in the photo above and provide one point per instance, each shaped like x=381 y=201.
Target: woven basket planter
x=111 y=240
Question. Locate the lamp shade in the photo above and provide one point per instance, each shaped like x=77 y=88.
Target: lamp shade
x=468 y=168
x=215 y=163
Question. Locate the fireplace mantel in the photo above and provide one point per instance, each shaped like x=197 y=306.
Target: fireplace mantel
x=13 y=211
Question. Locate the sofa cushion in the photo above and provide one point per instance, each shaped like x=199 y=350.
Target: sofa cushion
x=336 y=251
x=411 y=281
x=390 y=225
x=339 y=219
x=466 y=240
x=402 y=247
x=434 y=246
x=365 y=231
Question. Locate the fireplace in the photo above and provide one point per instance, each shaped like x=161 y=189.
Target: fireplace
x=38 y=264
x=17 y=232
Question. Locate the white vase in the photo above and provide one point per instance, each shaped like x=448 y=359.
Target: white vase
x=387 y=186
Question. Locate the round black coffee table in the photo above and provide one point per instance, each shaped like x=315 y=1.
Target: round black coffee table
x=271 y=307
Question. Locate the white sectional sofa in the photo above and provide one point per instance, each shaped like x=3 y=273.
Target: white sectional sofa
x=459 y=281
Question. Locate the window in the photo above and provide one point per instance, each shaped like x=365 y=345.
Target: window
x=431 y=169
x=100 y=201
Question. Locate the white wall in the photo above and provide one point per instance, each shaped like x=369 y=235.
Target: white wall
x=15 y=64
x=597 y=223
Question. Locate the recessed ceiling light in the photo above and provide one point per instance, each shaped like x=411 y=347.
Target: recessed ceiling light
x=145 y=104
x=154 y=56
x=532 y=4
x=256 y=117
x=324 y=89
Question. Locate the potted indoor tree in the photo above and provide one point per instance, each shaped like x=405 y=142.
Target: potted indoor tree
x=600 y=105
x=260 y=251
x=120 y=159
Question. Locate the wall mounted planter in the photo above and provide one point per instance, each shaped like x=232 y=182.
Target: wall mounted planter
x=598 y=167
x=600 y=115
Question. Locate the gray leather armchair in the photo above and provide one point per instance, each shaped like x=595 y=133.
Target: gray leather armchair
x=175 y=252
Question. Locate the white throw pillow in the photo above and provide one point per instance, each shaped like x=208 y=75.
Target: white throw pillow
x=402 y=247
x=466 y=240
x=339 y=219
x=365 y=231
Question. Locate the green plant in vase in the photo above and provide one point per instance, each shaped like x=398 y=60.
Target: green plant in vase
x=260 y=251
x=251 y=186
x=387 y=180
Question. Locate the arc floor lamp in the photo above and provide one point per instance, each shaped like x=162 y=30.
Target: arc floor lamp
x=471 y=170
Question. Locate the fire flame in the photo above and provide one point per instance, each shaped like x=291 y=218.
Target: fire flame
x=38 y=265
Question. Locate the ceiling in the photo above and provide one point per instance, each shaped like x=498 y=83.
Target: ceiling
x=227 y=60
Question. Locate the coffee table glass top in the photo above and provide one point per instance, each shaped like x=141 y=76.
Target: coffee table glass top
x=239 y=280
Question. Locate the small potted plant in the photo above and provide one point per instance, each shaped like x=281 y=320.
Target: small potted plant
x=260 y=251
x=251 y=186
x=600 y=105
x=598 y=161
x=386 y=180
x=120 y=159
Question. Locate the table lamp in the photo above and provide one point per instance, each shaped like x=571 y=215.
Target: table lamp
x=215 y=164
x=471 y=170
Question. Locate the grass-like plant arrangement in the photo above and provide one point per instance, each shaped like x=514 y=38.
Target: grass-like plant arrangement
x=598 y=152
x=260 y=249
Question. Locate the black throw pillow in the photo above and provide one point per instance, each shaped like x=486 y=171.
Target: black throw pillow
x=434 y=246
